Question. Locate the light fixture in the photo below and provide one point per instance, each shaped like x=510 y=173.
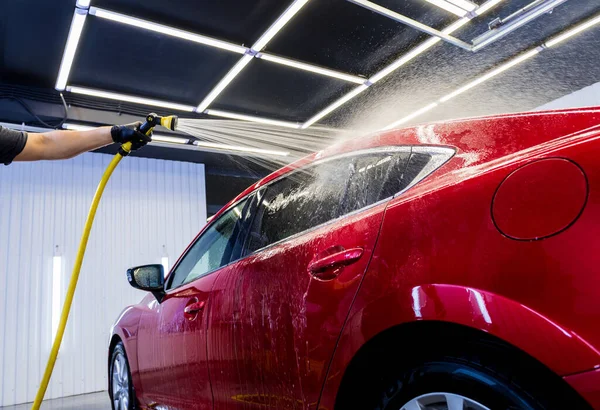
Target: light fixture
x=335 y=105
x=77 y=24
x=420 y=49
x=513 y=24
x=464 y=4
x=249 y=150
x=251 y=118
x=448 y=6
x=258 y=46
x=129 y=98
x=369 y=5
x=283 y=19
x=309 y=67
x=77 y=127
x=487 y=6
x=576 y=30
x=411 y=116
x=155 y=137
x=83 y=3
x=426 y=45
x=168 y=139
x=169 y=31
x=56 y=291
x=235 y=70
x=492 y=73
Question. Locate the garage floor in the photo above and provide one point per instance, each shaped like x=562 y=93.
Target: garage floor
x=93 y=401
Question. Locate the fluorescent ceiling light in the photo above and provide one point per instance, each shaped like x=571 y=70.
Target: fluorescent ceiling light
x=369 y=5
x=446 y=5
x=285 y=17
x=172 y=140
x=515 y=24
x=464 y=4
x=311 y=68
x=83 y=3
x=488 y=5
x=335 y=105
x=576 y=30
x=77 y=127
x=69 y=54
x=235 y=70
x=420 y=49
x=411 y=116
x=169 y=31
x=426 y=45
x=155 y=137
x=243 y=117
x=240 y=149
x=491 y=74
x=129 y=98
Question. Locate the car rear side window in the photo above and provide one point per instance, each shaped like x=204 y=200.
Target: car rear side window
x=306 y=198
x=326 y=191
x=213 y=249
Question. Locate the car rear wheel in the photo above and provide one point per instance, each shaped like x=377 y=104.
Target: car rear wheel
x=121 y=387
x=473 y=380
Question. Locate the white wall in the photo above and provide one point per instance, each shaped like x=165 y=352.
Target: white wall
x=586 y=97
x=148 y=203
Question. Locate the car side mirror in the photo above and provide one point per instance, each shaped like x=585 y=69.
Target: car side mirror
x=150 y=278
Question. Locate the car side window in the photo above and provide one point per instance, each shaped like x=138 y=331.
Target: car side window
x=300 y=201
x=213 y=249
x=315 y=195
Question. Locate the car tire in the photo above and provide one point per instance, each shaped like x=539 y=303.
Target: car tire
x=478 y=375
x=122 y=394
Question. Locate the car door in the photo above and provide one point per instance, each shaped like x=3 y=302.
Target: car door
x=172 y=335
x=281 y=313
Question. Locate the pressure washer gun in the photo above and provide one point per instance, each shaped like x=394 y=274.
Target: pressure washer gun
x=152 y=120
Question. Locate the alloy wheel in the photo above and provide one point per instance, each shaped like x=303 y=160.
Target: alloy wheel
x=443 y=401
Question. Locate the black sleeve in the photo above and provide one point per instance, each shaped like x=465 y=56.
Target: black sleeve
x=11 y=144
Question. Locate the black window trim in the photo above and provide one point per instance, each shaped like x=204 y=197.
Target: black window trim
x=439 y=156
x=206 y=228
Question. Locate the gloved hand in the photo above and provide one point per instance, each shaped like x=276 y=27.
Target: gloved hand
x=129 y=133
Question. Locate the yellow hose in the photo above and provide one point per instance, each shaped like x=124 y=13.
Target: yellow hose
x=64 y=316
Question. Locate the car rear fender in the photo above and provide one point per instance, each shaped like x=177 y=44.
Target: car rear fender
x=555 y=346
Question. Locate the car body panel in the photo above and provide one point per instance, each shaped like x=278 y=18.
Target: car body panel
x=439 y=257
x=277 y=325
x=587 y=385
x=172 y=360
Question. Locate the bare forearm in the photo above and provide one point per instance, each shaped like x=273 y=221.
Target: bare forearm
x=67 y=144
x=63 y=144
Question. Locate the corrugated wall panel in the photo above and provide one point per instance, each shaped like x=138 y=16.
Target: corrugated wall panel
x=149 y=207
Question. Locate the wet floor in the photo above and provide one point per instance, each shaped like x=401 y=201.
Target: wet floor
x=93 y=401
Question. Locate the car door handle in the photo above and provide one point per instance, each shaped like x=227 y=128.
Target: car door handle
x=322 y=267
x=192 y=309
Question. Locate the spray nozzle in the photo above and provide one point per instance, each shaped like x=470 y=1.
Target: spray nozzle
x=152 y=120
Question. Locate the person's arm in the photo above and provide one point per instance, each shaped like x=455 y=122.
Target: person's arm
x=68 y=144
x=63 y=144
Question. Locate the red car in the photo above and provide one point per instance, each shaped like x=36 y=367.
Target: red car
x=447 y=266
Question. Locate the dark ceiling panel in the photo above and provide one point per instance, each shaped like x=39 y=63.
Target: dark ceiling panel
x=241 y=22
x=445 y=68
x=129 y=60
x=33 y=34
x=343 y=36
x=277 y=91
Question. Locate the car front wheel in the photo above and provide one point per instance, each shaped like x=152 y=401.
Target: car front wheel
x=121 y=387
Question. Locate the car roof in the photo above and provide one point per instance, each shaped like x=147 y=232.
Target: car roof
x=476 y=140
